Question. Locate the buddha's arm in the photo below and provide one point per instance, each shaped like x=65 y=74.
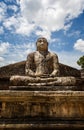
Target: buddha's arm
x=56 y=71
x=29 y=65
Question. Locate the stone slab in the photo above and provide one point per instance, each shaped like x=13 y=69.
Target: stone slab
x=47 y=88
x=40 y=126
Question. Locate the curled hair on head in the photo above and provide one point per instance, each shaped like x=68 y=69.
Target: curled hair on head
x=43 y=39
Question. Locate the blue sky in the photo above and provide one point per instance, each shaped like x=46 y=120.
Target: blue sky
x=23 y=21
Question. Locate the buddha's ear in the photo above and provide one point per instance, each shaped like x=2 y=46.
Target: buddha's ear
x=36 y=43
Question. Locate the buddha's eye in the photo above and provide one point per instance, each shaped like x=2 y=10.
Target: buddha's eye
x=42 y=40
x=39 y=40
x=45 y=41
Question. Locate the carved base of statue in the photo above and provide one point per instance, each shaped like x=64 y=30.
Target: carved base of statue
x=41 y=109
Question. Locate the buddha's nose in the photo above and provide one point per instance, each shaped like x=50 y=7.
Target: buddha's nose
x=42 y=42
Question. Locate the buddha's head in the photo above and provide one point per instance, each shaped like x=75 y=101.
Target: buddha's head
x=42 y=44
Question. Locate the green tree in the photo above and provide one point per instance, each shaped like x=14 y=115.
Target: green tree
x=81 y=62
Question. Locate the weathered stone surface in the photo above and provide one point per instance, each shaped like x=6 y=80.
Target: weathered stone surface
x=74 y=125
x=13 y=69
x=4 y=83
x=47 y=88
x=47 y=108
x=19 y=69
x=50 y=81
x=82 y=73
x=68 y=104
x=42 y=62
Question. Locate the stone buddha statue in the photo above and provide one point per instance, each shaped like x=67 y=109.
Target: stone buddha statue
x=42 y=63
x=42 y=69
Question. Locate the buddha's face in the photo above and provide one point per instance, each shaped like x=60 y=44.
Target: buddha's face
x=42 y=44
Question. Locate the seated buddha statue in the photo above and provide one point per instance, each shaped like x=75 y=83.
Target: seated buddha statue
x=42 y=63
x=42 y=69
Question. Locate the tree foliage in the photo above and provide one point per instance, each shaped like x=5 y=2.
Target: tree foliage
x=81 y=62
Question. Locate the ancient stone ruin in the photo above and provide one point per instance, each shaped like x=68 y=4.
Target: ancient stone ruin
x=41 y=93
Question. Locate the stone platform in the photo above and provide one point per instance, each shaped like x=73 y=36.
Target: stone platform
x=41 y=109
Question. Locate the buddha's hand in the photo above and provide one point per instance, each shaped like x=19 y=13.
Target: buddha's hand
x=45 y=76
x=38 y=74
x=54 y=73
x=42 y=75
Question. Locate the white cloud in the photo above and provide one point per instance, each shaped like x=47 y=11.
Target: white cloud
x=55 y=40
x=69 y=58
x=4 y=47
x=43 y=17
x=10 y=22
x=51 y=15
x=66 y=27
x=1 y=30
x=19 y=25
x=79 y=45
x=15 y=53
x=1 y=59
x=13 y=7
x=21 y=50
x=3 y=50
x=3 y=8
x=44 y=33
x=24 y=27
x=74 y=33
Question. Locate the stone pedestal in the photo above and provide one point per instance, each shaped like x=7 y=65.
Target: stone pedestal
x=41 y=109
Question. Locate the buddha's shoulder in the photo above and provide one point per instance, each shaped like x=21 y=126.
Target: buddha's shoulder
x=31 y=54
x=53 y=54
